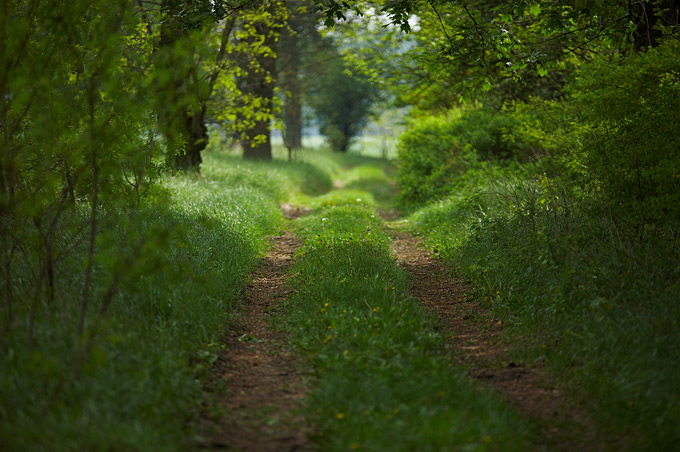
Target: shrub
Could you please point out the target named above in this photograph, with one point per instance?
(630, 112)
(492, 134)
(430, 156)
(436, 151)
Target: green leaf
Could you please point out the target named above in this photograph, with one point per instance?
(535, 10)
(542, 72)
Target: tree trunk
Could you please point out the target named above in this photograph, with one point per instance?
(293, 120)
(260, 83)
(291, 85)
(647, 16)
(183, 125)
(188, 157)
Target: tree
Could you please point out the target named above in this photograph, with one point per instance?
(77, 133)
(342, 101)
(299, 47)
(291, 89)
(467, 49)
(188, 64)
(258, 84)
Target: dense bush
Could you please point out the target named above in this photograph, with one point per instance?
(629, 114)
(436, 152)
(491, 133)
(430, 156)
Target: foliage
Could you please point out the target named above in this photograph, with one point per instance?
(382, 380)
(629, 114)
(495, 52)
(578, 252)
(430, 157)
(342, 101)
(77, 135)
(436, 152)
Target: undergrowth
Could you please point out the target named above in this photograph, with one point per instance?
(578, 250)
(591, 291)
(132, 381)
(600, 308)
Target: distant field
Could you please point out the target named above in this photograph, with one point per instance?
(368, 145)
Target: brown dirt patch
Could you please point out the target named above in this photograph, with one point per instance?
(292, 212)
(475, 339)
(263, 377)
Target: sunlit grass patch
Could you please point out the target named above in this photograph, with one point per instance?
(370, 179)
(341, 197)
(279, 179)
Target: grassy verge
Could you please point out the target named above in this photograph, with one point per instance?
(594, 302)
(133, 380)
(383, 382)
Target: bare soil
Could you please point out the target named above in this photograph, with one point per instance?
(475, 339)
(264, 380)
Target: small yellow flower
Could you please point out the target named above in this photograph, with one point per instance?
(330, 327)
(486, 298)
(355, 446)
(346, 352)
(392, 287)
(323, 310)
(344, 311)
(498, 292)
(325, 305)
(376, 309)
(499, 322)
(340, 416)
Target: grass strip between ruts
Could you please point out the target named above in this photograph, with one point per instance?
(383, 381)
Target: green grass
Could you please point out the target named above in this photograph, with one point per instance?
(181, 263)
(383, 381)
(595, 303)
(136, 386)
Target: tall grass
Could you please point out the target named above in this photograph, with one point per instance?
(599, 304)
(133, 380)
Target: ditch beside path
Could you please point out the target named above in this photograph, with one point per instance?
(474, 339)
(264, 380)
